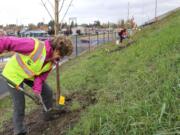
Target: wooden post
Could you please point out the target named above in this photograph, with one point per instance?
(58, 92)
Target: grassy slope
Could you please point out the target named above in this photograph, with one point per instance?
(138, 88)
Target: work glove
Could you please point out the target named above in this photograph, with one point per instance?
(39, 101)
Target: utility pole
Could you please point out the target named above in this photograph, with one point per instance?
(56, 13)
(155, 10)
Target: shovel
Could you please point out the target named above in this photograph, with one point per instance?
(34, 99)
(13, 85)
(60, 100)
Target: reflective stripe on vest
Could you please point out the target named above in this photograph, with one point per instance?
(38, 52)
(23, 66)
(34, 57)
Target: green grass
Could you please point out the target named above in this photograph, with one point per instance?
(75, 106)
(137, 89)
(5, 110)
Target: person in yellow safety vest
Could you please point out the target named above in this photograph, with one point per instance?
(31, 64)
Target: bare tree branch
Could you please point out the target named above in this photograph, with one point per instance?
(65, 13)
(47, 9)
(61, 7)
(51, 4)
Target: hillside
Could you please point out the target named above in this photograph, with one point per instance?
(130, 91)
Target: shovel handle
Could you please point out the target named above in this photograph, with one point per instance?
(12, 84)
(19, 88)
(27, 94)
(42, 102)
(58, 83)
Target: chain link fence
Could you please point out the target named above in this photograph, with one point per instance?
(88, 42)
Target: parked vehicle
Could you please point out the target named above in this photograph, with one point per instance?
(40, 34)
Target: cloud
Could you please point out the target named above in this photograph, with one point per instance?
(115, 10)
(86, 11)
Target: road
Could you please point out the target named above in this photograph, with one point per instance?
(2, 86)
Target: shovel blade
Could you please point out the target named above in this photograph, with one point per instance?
(61, 100)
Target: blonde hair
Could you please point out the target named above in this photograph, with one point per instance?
(62, 44)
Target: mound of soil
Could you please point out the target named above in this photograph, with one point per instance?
(64, 121)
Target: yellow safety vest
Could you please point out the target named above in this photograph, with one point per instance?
(21, 67)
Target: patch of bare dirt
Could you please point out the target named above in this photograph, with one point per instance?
(64, 121)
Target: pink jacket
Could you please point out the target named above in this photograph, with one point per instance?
(26, 46)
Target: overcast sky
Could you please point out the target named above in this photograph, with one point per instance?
(86, 11)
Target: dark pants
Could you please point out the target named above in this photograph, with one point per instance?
(19, 104)
(121, 39)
